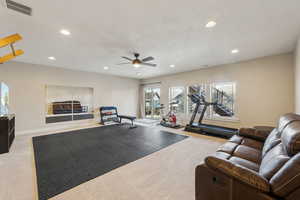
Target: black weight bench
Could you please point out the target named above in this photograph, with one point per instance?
(131, 118)
(110, 114)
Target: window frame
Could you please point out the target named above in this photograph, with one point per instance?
(184, 99)
(220, 118)
(206, 88)
(210, 113)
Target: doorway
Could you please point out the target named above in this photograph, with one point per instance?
(152, 102)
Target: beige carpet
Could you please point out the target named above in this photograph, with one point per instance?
(166, 174)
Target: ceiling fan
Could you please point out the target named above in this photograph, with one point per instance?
(136, 62)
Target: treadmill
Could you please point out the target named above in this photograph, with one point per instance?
(207, 129)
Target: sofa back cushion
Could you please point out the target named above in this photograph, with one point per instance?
(286, 120)
(280, 146)
(274, 137)
(273, 161)
(272, 140)
(290, 138)
(287, 179)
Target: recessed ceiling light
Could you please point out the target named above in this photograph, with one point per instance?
(105, 68)
(172, 66)
(211, 24)
(51, 58)
(65, 32)
(234, 51)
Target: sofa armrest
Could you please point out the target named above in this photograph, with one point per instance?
(254, 133)
(238, 172)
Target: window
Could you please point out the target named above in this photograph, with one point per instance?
(199, 90)
(176, 99)
(224, 95)
(152, 102)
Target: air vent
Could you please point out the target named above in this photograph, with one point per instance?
(18, 7)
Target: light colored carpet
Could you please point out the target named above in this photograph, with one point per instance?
(166, 174)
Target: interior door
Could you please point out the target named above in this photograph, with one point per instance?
(152, 102)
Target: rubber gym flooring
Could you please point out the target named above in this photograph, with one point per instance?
(65, 160)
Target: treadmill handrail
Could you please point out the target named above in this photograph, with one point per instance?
(200, 100)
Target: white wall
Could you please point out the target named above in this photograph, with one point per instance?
(297, 78)
(27, 91)
(264, 91)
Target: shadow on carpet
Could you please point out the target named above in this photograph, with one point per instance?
(65, 160)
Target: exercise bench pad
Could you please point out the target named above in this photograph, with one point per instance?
(127, 117)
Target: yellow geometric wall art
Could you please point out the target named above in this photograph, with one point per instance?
(9, 41)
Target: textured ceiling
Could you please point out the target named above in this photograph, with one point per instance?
(172, 31)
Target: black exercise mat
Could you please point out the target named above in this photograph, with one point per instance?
(65, 160)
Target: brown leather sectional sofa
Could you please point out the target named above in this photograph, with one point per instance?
(254, 165)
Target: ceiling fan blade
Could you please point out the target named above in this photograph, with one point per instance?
(149, 64)
(127, 63)
(127, 58)
(148, 59)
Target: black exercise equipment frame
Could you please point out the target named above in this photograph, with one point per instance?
(206, 129)
(113, 116)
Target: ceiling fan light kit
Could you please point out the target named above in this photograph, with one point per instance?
(136, 65)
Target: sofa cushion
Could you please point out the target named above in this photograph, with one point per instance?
(245, 163)
(290, 138)
(287, 179)
(252, 143)
(248, 153)
(286, 120)
(228, 147)
(241, 147)
(247, 142)
(236, 139)
(222, 155)
(272, 140)
(273, 161)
